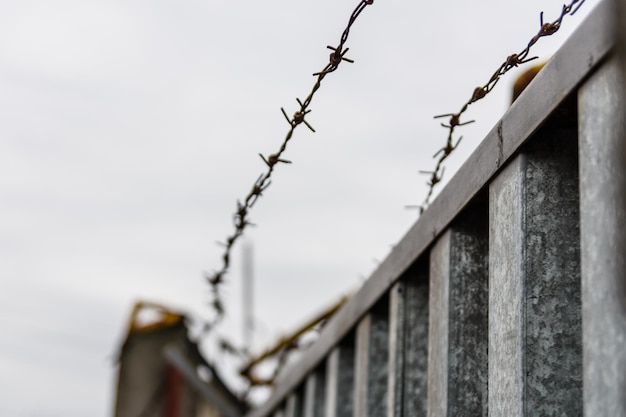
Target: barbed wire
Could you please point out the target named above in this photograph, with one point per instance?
(512, 61)
(241, 216)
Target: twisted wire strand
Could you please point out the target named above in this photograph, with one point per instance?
(241, 216)
(454, 121)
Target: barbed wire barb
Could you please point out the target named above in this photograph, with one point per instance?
(448, 149)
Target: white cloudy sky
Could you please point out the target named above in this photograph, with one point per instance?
(128, 129)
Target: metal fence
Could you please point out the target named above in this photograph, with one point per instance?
(508, 296)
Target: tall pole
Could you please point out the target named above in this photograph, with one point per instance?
(247, 297)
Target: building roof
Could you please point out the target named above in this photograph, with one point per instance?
(148, 324)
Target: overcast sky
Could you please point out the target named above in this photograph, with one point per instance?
(128, 130)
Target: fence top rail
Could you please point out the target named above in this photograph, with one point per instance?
(590, 44)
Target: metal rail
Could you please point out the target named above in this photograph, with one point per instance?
(508, 296)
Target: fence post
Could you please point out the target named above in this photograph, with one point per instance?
(408, 346)
(293, 408)
(603, 240)
(397, 330)
(438, 330)
(314, 393)
(457, 363)
(535, 338)
(371, 365)
(340, 380)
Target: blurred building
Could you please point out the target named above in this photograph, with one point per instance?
(162, 373)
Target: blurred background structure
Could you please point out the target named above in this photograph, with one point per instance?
(161, 371)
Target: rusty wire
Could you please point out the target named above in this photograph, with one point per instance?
(240, 218)
(512, 61)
